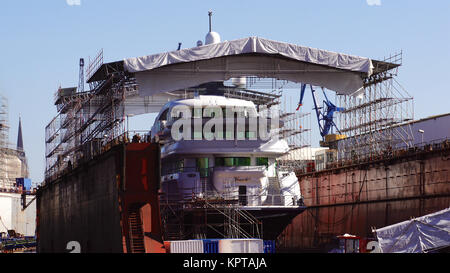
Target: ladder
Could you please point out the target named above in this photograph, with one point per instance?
(136, 232)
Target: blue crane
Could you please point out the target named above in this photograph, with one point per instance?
(325, 118)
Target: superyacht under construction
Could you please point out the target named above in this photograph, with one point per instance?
(117, 190)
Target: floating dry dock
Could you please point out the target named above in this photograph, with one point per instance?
(102, 191)
(107, 204)
(355, 197)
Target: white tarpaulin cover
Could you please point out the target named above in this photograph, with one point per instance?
(416, 235)
(335, 71)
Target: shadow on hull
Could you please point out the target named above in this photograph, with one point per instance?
(246, 222)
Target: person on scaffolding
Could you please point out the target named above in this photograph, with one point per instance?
(136, 138)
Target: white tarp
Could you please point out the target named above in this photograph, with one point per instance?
(416, 235)
(189, 67)
(290, 188)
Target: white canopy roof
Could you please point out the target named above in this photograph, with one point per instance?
(417, 235)
(251, 56)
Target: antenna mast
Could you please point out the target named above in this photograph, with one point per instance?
(210, 25)
(81, 80)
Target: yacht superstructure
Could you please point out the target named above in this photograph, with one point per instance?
(222, 151)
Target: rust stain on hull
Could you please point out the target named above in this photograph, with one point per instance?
(354, 199)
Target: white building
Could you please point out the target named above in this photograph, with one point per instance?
(13, 217)
(13, 165)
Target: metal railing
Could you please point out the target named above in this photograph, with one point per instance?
(230, 199)
(170, 171)
(397, 151)
(93, 148)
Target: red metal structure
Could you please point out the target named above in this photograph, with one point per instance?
(355, 198)
(138, 200)
(108, 203)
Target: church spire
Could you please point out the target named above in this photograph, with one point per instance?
(19, 137)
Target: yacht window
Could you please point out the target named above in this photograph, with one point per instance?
(179, 111)
(262, 161)
(179, 165)
(232, 161)
(224, 109)
(235, 112)
(171, 167)
(210, 135)
(228, 134)
(211, 111)
(197, 112)
(202, 166)
(243, 161)
(197, 134)
(208, 112)
(250, 135)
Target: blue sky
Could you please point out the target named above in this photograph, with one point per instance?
(42, 41)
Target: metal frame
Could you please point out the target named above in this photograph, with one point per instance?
(370, 120)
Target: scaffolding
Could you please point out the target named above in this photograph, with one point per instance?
(370, 120)
(13, 163)
(84, 117)
(369, 123)
(99, 115)
(207, 216)
(295, 124)
(4, 139)
(296, 131)
(91, 120)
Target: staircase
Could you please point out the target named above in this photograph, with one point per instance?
(136, 233)
(274, 192)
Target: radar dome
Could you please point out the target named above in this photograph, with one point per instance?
(212, 38)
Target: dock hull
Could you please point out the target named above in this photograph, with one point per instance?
(108, 204)
(357, 198)
(275, 220)
(194, 223)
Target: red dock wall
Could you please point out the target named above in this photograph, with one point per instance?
(92, 203)
(354, 199)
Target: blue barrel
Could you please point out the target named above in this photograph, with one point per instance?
(269, 246)
(210, 245)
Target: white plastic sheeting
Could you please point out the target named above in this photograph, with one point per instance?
(13, 217)
(417, 235)
(241, 246)
(290, 189)
(175, 70)
(186, 246)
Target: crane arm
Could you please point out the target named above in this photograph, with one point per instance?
(319, 113)
(302, 94)
(325, 118)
